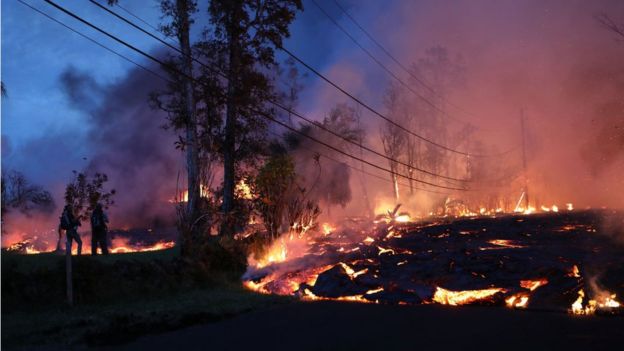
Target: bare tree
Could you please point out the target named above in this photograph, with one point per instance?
(18, 193)
(609, 24)
(393, 137)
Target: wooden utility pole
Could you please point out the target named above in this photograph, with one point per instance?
(524, 160)
(68, 273)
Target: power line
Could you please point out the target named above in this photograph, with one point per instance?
(351, 156)
(312, 70)
(386, 69)
(379, 114)
(139, 18)
(92, 40)
(261, 113)
(298, 115)
(422, 82)
(363, 171)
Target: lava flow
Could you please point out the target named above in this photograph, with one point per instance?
(515, 260)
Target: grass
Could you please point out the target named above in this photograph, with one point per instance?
(118, 298)
(122, 321)
(30, 263)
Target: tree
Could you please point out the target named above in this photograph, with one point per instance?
(243, 34)
(85, 191)
(609, 24)
(271, 188)
(288, 82)
(333, 187)
(181, 104)
(444, 73)
(18, 193)
(393, 138)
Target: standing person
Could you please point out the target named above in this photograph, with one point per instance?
(70, 224)
(99, 219)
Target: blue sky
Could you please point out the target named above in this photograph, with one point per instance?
(36, 50)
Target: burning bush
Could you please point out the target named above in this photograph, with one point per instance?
(280, 199)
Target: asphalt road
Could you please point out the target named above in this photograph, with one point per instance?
(353, 326)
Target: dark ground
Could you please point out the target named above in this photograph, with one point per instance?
(355, 326)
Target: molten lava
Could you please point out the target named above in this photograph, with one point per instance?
(454, 298)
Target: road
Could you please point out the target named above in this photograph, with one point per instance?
(352, 326)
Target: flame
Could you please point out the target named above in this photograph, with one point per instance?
(204, 191)
(577, 305)
(276, 253)
(308, 295)
(259, 287)
(383, 251)
(158, 246)
(374, 291)
(609, 302)
(454, 298)
(517, 301)
(368, 240)
(533, 284)
(350, 272)
(404, 218)
(328, 228)
(502, 243)
(243, 190)
(604, 302)
(569, 207)
(574, 272)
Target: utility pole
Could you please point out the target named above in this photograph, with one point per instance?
(524, 160)
(68, 273)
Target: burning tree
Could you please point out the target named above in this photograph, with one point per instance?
(243, 35)
(281, 200)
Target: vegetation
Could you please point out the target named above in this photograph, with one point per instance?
(84, 192)
(108, 290)
(19, 194)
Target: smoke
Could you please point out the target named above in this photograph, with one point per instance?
(81, 89)
(550, 58)
(130, 144)
(124, 139)
(611, 224)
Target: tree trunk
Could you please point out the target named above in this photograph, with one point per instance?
(395, 183)
(192, 156)
(229, 145)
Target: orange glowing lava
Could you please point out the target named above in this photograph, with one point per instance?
(454, 298)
